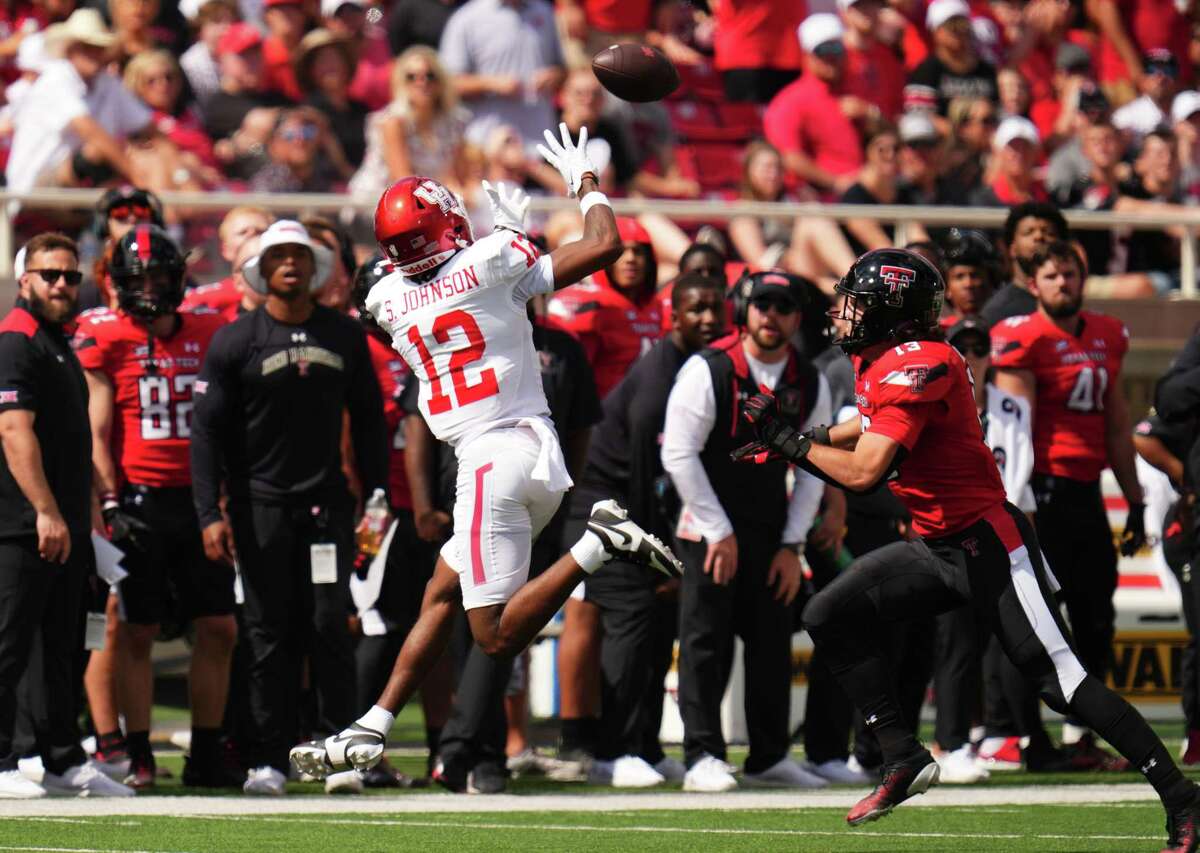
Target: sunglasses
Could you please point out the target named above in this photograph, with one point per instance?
(979, 349)
(126, 209)
(782, 307)
(427, 76)
(307, 133)
(986, 121)
(72, 277)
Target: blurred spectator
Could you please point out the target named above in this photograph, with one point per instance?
(199, 62)
(609, 146)
(878, 184)
(1155, 178)
(972, 268)
(1158, 87)
(418, 22)
(592, 25)
(133, 25)
(301, 155)
(81, 140)
(807, 245)
(325, 65)
(286, 21)
(954, 68)
(1010, 179)
(240, 55)
(1015, 97)
(973, 123)
(155, 77)
(239, 226)
(335, 292)
(806, 122)
(1130, 28)
(1051, 65)
(1097, 190)
(1185, 117)
(755, 47)
(1028, 227)
(921, 152)
(372, 63)
(872, 73)
(419, 132)
(1068, 164)
(507, 64)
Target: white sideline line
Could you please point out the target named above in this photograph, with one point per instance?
(593, 800)
(78, 850)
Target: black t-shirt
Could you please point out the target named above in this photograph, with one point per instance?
(979, 82)
(269, 410)
(348, 126)
(624, 160)
(1011, 300)
(418, 22)
(224, 113)
(1105, 250)
(858, 194)
(39, 373)
(1152, 250)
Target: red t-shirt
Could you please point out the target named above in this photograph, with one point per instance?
(613, 329)
(393, 373)
(618, 16)
(220, 296)
(758, 34)
(805, 116)
(1151, 25)
(919, 394)
(278, 73)
(876, 76)
(152, 406)
(372, 83)
(1073, 374)
(188, 134)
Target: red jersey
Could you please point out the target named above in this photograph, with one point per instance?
(219, 296)
(152, 402)
(758, 34)
(1151, 25)
(877, 76)
(1073, 374)
(806, 116)
(618, 16)
(613, 329)
(919, 394)
(393, 373)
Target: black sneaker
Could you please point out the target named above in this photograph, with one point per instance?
(487, 777)
(384, 775)
(1183, 828)
(141, 771)
(450, 776)
(212, 771)
(1047, 759)
(901, 780)
(626, 541)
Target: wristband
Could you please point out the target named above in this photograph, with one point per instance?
(592, 199)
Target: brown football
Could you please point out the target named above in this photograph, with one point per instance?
(635, 72)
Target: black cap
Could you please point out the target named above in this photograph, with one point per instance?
(774, 283)
(1072, 57)
(1162, 61)
(969, 325)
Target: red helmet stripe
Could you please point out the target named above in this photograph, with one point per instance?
(143, 243)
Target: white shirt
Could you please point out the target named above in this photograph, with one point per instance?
(467, 338)
(1010, 436)
(691, 413)
(43, 140)
(1140, 116)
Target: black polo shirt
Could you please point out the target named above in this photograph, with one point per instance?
(40, 373)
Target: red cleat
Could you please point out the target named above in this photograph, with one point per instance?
(901, 780)
(1191, 753)
(1086, 754)
(1183, 829)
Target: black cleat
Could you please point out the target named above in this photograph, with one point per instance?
(626, 541)
(901, 780)
(1183, 828)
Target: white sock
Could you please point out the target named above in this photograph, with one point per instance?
(379, 719)
(589, 552)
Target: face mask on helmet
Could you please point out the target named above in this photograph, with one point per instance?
(887, 295)
(366, 277)
(154, 293)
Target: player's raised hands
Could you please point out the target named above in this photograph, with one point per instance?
(509, 204)
(570, 158)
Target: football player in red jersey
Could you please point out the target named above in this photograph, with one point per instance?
(239, 225)
(918, 424)
(1067, 362)
(141, 362)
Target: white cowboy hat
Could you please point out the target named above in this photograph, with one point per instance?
(85, 26)
(285, 232)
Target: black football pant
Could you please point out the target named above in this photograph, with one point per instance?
(41, 604)
(993, 566)
(709, 617)
(287, 619)
(1179, 549)
(957, 677)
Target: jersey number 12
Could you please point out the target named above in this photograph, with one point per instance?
(464, 392)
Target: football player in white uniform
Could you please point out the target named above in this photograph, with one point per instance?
(455, 309)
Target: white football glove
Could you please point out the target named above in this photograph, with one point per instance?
(568, 157)
(509, 208)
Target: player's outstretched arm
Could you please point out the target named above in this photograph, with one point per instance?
(600, 245)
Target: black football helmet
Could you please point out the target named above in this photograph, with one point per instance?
(365, 277)
(890, 295)
(147, 270)
(970, 248)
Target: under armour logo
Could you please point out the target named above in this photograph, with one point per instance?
(299, 337)
(972, 546)
(191, 346)
(1151, 764)
(872, 720)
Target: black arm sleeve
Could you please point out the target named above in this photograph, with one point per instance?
(213, 396)
(368, 428)
(1177, 396)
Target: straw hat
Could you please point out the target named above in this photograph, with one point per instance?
(314, 41)
(85, 26)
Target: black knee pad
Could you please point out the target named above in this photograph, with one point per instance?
(816, 614)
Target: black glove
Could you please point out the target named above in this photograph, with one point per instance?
(775, 439)
(818, 435)
(123, 529)
(1134, 536)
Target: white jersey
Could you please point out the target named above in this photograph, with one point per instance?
(466, 335)
(1007, 429)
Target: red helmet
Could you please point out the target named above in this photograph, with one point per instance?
(420, 224)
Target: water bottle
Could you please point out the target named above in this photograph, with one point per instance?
(373, 528)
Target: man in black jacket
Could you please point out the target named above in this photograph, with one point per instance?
(268, 423)
(638, 614)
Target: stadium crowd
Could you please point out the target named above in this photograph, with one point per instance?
(245, 446)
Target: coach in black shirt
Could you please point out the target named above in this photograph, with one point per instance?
(268, 422)
(45, 518)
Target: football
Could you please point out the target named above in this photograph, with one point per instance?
(635, 72)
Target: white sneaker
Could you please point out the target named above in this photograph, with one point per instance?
(785, 773)
(838, 772)
(115, 770)
(14, 785)
(84, 780)
(628, 771)
(346, 782)
(32, 768)
(961, 767)
(527, 762)
(709, 775)
(182, 739)
(264, 781)
(626, 541)
(672, 769)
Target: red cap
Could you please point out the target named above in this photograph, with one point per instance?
(238, 38)
(269, 3)
(631, 231)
